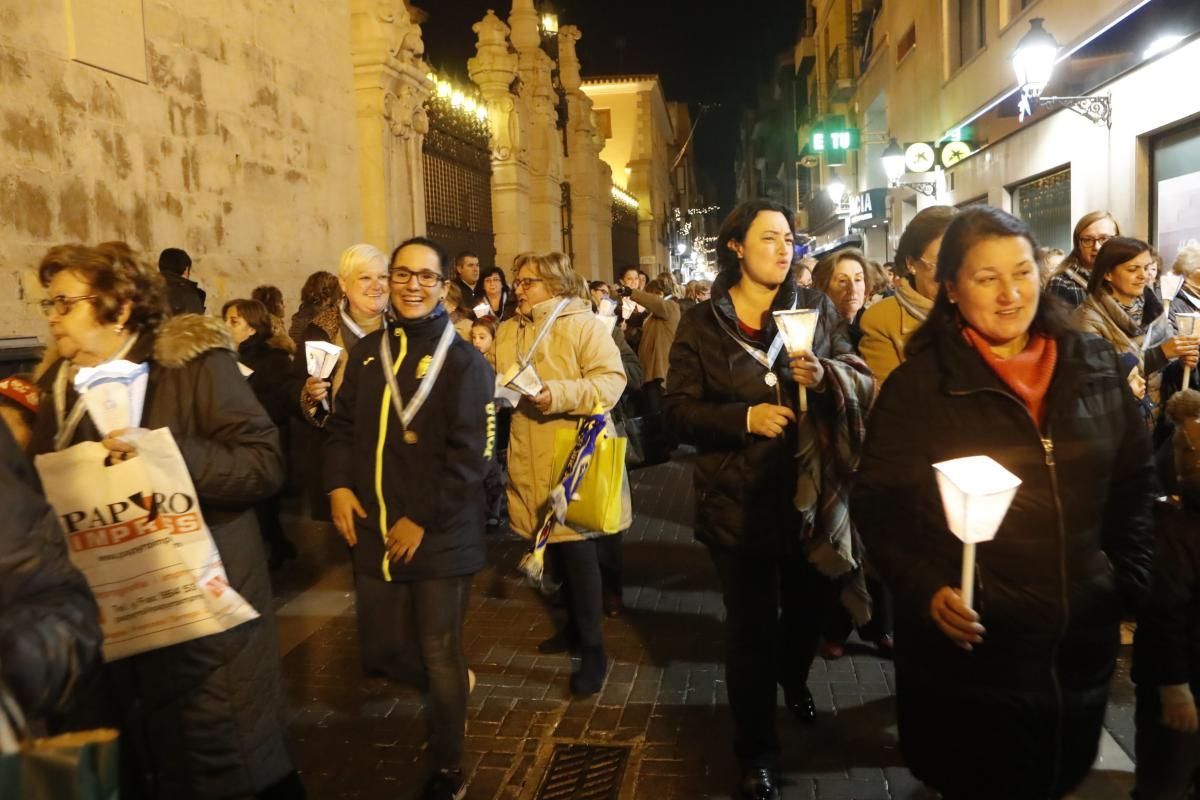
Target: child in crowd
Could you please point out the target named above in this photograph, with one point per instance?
(460, 317)
(483, 336)
(18, 408)
(1166, 654)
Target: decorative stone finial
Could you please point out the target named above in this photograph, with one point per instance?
(524, 23)
(568, 59)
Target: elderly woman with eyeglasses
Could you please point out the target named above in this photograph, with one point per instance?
(199, 719)
(579, 366)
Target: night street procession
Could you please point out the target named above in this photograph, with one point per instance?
(600, 400)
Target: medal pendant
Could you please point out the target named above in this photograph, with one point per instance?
(770, 379)
(410, 437)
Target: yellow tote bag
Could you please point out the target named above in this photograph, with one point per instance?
(597, 504)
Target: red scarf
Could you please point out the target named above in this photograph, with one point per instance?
(1028, 373)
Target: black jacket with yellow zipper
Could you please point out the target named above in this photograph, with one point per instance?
(437, 481)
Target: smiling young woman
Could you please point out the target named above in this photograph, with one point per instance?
(1121, 308)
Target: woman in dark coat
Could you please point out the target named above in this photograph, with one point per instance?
(267, 353)
(1006, 700)
(407, 495)
(49, 635)
(735, 396)
(199, 720)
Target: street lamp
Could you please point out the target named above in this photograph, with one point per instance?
(835, 188)
(894, 165)
(1033, 62)
(550, 24)
(893, 161)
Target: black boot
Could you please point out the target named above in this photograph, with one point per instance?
(564, 640)
(593, 667)
(799, 701)
(759, 784)
(445, 785)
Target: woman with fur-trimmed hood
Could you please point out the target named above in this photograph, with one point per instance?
(201, 719)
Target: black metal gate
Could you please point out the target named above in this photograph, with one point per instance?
(458, 181)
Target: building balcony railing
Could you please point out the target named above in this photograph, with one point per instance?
(839, 73)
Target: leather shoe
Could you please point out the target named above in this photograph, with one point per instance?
(759, 784)
(561, 642)
(800, 703)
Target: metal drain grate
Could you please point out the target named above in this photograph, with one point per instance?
(584, 772)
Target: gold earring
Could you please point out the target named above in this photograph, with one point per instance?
(119, 329)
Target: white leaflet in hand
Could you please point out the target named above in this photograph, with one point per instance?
(608, 307)
(798, 327)
(523, 379)
(610, 322)
(114, 394)
(246, 371)
(322, 358)
(505, 394)
(483, 310)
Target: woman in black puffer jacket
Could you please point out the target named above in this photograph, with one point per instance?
(1006, 701)
(733, 394)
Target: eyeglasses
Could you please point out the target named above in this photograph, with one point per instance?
(62, 305)
(1093, 241)
(426, 277)
(524, 283)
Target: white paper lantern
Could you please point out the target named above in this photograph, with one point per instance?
(976, 493)
(1185, 323)
(798, 327)
(1169, 285)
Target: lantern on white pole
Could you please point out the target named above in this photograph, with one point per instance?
(1185, 323)
(798, 327)
(976, 493)
(1169, 285)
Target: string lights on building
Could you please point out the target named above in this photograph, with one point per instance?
(462, 103)
(624, 198)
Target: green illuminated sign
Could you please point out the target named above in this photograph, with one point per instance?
(833, 135)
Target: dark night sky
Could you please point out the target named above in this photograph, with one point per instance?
(702, 51)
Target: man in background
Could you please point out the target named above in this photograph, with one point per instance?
(183, 294)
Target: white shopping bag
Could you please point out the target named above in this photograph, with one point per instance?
(134, 529)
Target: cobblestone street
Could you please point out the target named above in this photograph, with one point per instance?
(357, 737)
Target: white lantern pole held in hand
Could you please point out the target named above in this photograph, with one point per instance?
(798, 327)
(976, 493)
(1186, 323)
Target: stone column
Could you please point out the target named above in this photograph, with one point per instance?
(493, 69)
(390, 88)
(545, 155)
(583, 162)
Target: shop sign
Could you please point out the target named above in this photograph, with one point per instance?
(868, 206)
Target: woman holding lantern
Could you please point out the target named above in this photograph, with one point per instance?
(771, 428)
(1005, 698)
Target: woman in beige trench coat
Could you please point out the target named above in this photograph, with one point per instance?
(580, 366)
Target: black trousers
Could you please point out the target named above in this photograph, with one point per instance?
(578, 565)
(608, 551)
(774, 612)
(413, 632)
(1168, 762)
